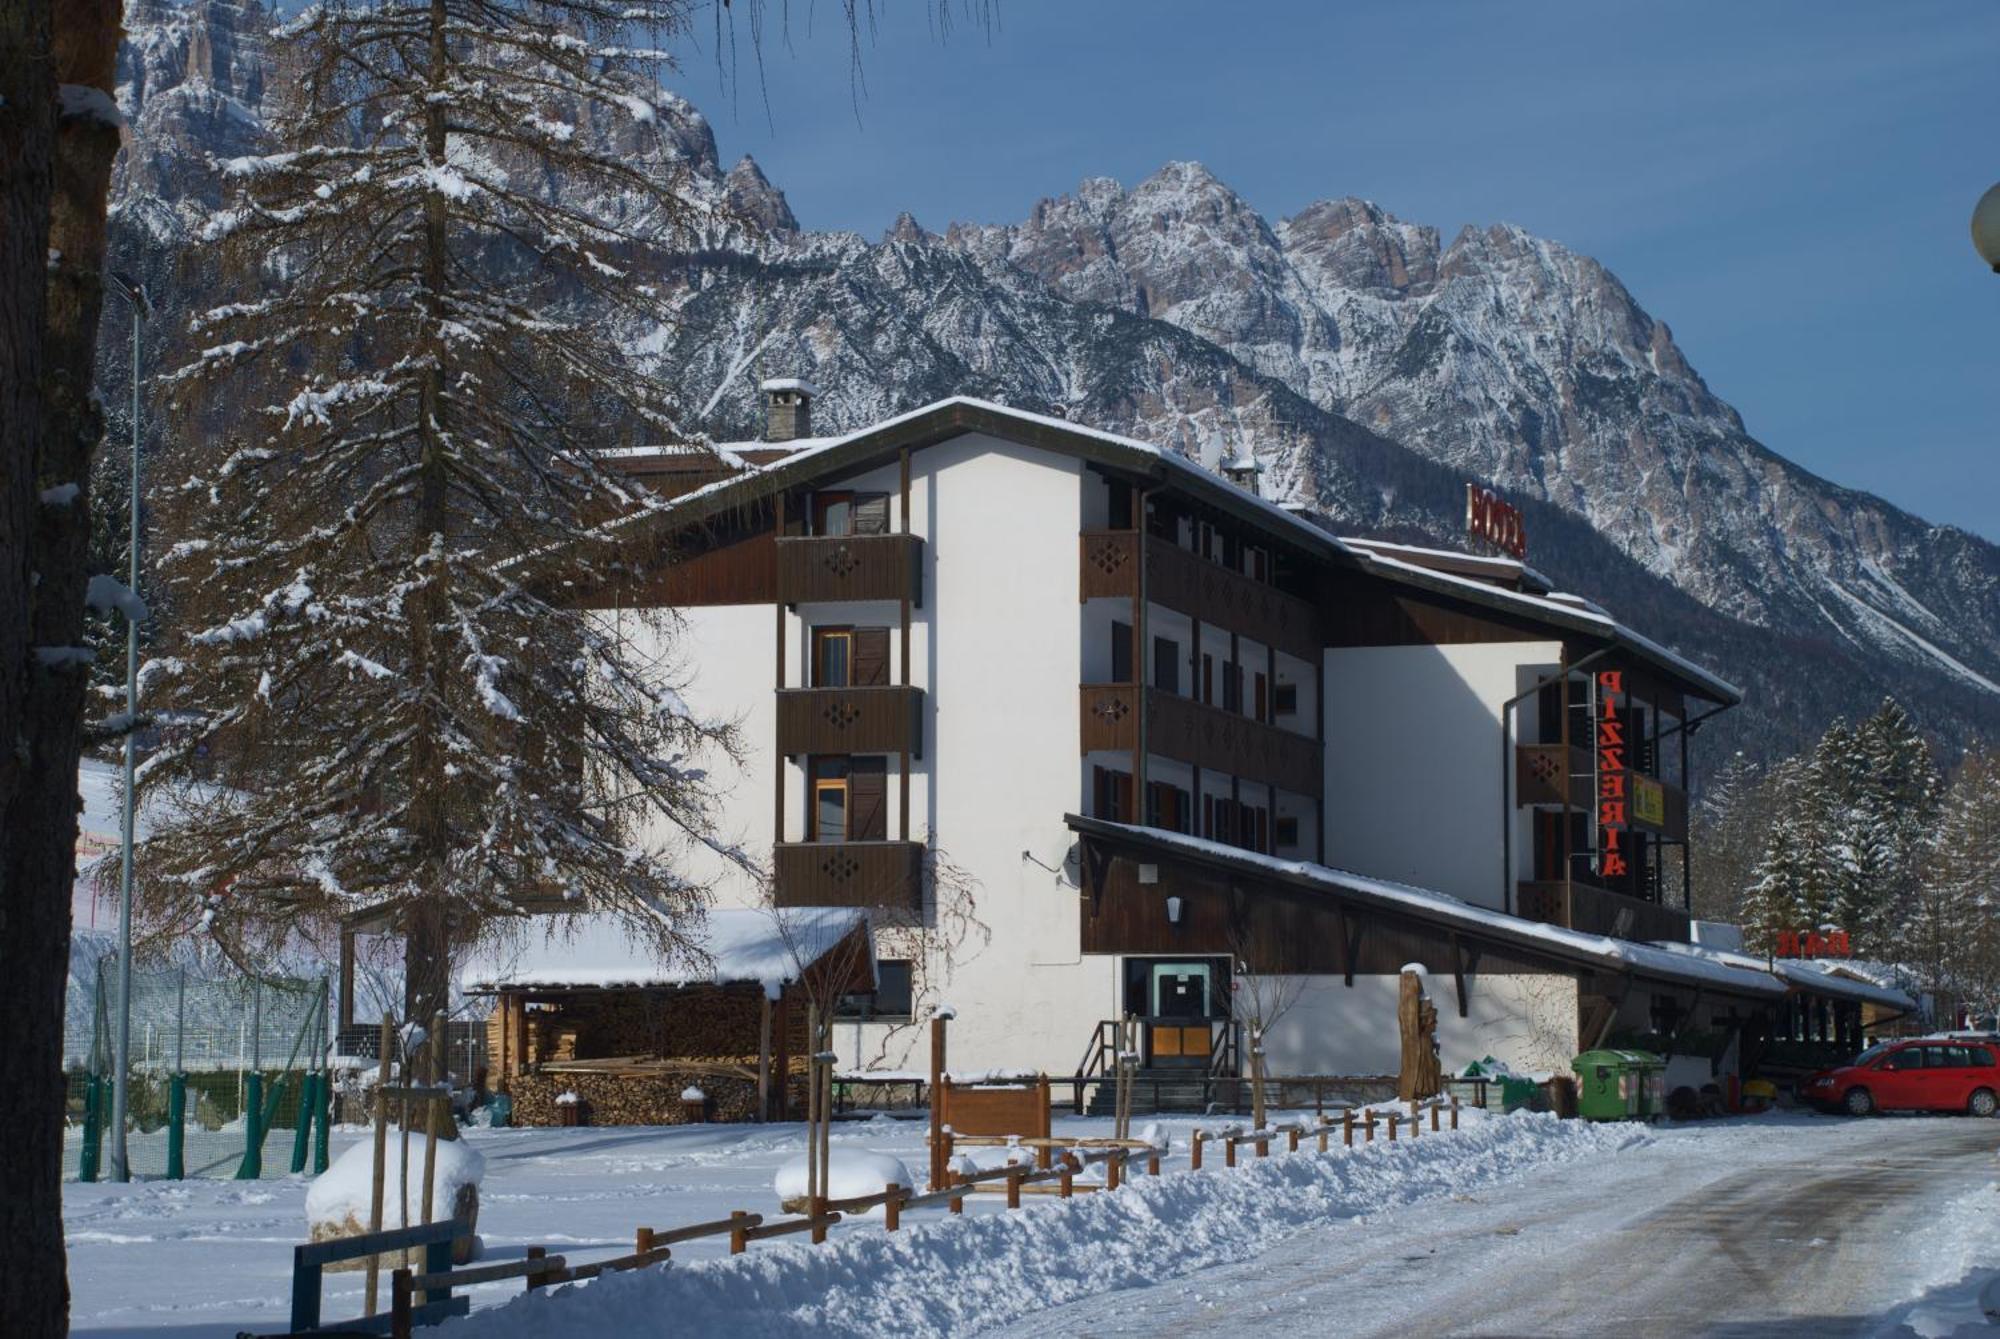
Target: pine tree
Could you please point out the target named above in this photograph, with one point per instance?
(1894, 808)
(1951, 935)
(390, 693)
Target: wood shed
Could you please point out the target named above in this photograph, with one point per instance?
(592, 1025)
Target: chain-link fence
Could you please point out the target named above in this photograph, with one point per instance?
(225, 1072)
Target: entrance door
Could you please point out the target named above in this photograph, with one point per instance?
(1180, 999)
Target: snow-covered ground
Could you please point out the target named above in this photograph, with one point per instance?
(1472, 1215)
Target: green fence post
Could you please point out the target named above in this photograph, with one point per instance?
(177, 1100)
(322, 1121)
(93, 1129)
(252, 1165)
(302, 1123)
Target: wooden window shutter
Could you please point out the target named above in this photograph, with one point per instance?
(871, 657)
(868, 801)
(871, 513)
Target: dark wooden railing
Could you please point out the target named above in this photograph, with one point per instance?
(850, 874)
(851, 567)
(1594, 910)
(885, 719)
(1108, 565)
(1209, 737)
(1539, 776)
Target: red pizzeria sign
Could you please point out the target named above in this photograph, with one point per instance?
(1613, 776)
(1496, 522)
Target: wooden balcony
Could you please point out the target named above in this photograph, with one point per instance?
(1539, 774)
(1208, 737)
(886, 719)
(1594, 910)
(851, 567)
(850, 874)
(1108, 565)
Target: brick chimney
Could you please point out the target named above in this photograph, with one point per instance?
(787, 408)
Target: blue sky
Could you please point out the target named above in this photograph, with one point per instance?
(1787, 185)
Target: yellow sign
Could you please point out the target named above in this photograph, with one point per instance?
(1649, 802)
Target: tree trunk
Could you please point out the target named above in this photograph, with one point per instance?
(40, 821)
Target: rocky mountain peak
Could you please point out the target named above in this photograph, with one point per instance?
(750, 196)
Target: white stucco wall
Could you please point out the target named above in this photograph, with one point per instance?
(1413, 763)
(1529, 1021)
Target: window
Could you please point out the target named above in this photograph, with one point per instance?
(1121, 653)
(1978, 1057)
(1167, 806)
(1259, 697)
(1208, 679)
(826, 821)
(1286, 699)
(842, 513)
(849, 800)
(1121, 504)
(1232, 686)
(1910, 1057)
(1111, 795)
(832, 657)
(1288, 830)
(891, 999)
(1259, 564)
(1167, 664)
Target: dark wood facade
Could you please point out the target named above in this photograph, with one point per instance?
(1211, 738)
(850, 567)
(1594, 910)
(1211, 594)
(883, 719)
(887, 875)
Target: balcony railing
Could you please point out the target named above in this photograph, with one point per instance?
(1208, 737)
(885, 719)
(850, 874)
(1594, 910)
(851, 567)
(1652, 805)
(1108, 565)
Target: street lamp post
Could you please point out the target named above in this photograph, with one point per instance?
(134, 294)
(1986, 228)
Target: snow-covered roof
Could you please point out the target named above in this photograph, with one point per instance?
(1814, 977)
(1617, 954)
(1570, 611)
(769, 947)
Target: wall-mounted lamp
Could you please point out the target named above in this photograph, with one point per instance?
(1173, 911)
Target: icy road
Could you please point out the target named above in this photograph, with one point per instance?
(1810, 1227)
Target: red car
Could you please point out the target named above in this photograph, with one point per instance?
(1928, 1074)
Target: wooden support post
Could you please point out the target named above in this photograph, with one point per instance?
(536, 1253)
(1368, 1121)
(1067, 1183)
(1416, 1119)
(386, 1042)
(1014, 1176)
(764, 1054)
(1454, 1111)
(1292, 1140)
(892, 1208)
(1194, 1150)
(816, 1207)
(642, 1241)
(938, 1154)
(399, 1304)
(1434, 1118)
(1263, 1148)
(958, 1201)
(1347, 1128)
(1113, 1165)
(1153, 1163)
(1395, 1119)
(738, 1225)
(1229, 1151)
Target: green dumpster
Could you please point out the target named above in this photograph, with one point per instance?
(1619, 1085)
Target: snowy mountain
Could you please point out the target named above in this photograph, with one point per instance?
(1372, 367)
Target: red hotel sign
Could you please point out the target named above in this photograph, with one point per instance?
(1613, 776)
(1814, 944)
(1496, 522)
